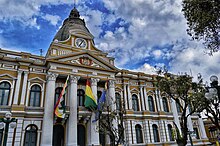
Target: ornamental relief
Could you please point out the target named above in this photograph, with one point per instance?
(85, 61)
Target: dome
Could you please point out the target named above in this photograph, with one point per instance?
(73, 22)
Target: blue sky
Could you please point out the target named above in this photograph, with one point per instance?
(139, 34)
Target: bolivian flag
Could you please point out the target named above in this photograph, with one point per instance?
(90, 101)
(59, 109)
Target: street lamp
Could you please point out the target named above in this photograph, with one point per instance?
(214, 90)
(4, 123)
(213, 96)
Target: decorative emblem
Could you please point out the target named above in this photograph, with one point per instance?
(85, 61)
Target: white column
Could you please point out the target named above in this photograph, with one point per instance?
(147, 132)
(42, 95)
(175, 114)
(129, 97)
(160, 100)
(27, 94)
(202, 128)
(146, 99)
(111, 93)
(162, 131)
(47, 128)
(94, 134)
(142, 98)
(12, 91)
(157, 101)
(72, 121)
(125, 97)
(24, 88)
(17, 87)
(151, 131)
(189, 121)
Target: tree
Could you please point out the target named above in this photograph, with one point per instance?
(203, 20)
(180, 88)
(111, 122)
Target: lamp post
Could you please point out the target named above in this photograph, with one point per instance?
(214, 90)
(213, 96)
(4, 123)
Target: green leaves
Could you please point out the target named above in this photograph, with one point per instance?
(203, 20)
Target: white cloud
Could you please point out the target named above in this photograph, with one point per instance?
(146, 68)
(194, 61)
(53, 19)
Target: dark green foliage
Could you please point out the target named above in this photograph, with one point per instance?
(181, 89)
(203, 19)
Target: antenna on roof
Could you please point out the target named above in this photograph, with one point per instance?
(74, 3)
(41, 52)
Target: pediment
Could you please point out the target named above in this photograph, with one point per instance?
(7, 76)
(85, 59)
(37, 80)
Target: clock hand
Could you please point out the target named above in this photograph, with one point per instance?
(80, 43)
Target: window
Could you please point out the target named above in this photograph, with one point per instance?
(4, 93)
(165, 104)
(35, 95)
(196, 132)
(170, 132)
(139, 136)
(30, 136)
(178, 106)
(156, 133)
(1, 135)
(118, 101)
(81, 97)
(151, 103)
(135, 103)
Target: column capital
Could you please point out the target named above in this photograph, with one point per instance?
(26, 72)
(74, 79)
(94, 81)
(111, 83)
(51, 76)
(20, 71)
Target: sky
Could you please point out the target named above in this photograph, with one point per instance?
(139, 34)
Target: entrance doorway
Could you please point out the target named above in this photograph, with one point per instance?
(58, 135)
(81, 135)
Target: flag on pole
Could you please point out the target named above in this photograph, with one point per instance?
(101, 102)
(59, 109)
(90, 101)
(102, 99)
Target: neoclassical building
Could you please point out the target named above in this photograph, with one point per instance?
(30, 86)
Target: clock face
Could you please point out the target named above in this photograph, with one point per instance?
(81, 43)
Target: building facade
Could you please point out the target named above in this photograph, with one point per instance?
(30, 86)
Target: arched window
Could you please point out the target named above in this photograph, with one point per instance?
(139, 136)
(118, 101)
(4, 93)
(35, 95)
(156, 133)
(178, 106)
(135, 102)
(170, 132)
(165, 104)
(30, 136)
(1, 135)
(151, 103)
(81, 97)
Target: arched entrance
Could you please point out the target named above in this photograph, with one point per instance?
(81, 135)
(58, 135)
